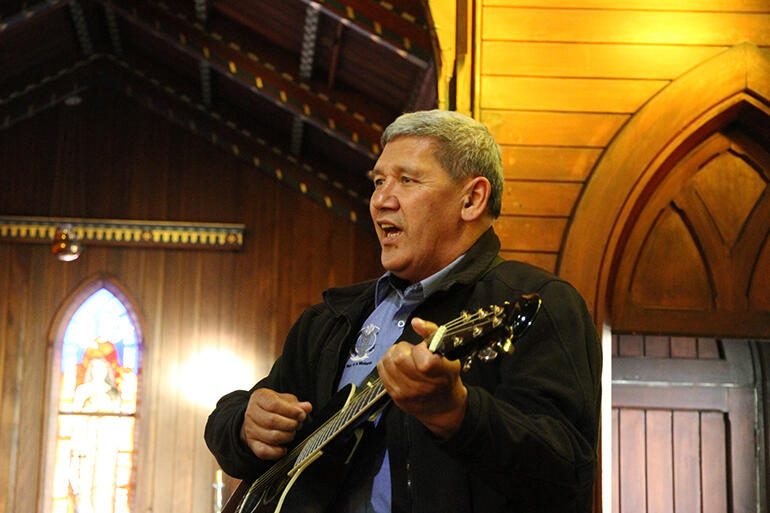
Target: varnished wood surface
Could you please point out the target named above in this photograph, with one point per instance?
(559, 80)
(683, 441)
(107, 158)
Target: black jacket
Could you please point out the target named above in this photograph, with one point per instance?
(528, 440)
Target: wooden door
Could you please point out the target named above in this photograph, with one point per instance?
(686, 419)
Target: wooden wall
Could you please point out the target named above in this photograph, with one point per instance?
(559, 78)
(110, 158)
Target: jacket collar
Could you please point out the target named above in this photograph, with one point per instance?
(354, 300)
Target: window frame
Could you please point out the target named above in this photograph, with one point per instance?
(56, 333)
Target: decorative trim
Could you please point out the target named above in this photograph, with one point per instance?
(125, 232)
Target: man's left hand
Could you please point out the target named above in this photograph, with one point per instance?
(424, 384)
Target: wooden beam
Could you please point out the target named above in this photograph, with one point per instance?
(112, 72)
(261, 77)
(396, 26)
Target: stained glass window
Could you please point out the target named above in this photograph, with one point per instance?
(97, 406)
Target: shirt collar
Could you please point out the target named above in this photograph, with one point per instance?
(389, 283)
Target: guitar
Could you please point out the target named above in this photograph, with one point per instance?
(482, 334)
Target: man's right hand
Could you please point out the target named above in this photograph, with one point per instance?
(271, 421)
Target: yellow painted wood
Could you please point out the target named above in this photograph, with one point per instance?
(539, 198)
(592, 60)
(552, 128)
(527, 233)
(625, 26)
(658, 131)
(548, 163)
(443, 15)
(656, 5)
(568, 94)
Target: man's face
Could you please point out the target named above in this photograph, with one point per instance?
(416, 209)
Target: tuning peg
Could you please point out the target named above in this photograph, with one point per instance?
(486, 354)
(467, 362)
(506, 345)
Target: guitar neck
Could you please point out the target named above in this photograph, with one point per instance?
(361, 403)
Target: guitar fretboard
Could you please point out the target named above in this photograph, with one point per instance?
(360, 404)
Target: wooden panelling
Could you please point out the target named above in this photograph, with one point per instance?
(632, 464)
(526, 233)
(548, 163)
(760, 281)
(658, 443)
(539, 198)
(715, 219)
(685, 443)
(625, 26)
(662, 346)
(109, 158)
(618, 96)
(686, 447)
(658, 5)
(527, 128)
(714, 472)
(592, 60)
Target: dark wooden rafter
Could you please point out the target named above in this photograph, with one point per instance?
(81, 28)
(49, 91)
(99, 70)
(423, 94)
(202, 11)
(385, 23)
(205, 77)
(261, 77)
(306, 58)
(112, 28)
(202, 15)
(335, 57)
(29, 13)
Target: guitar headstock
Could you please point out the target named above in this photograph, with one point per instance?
(487, 331)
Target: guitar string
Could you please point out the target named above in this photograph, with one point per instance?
(455, 326)
(361, 401)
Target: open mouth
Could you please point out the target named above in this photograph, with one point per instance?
(390, 231)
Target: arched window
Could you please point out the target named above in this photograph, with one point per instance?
(97, 376)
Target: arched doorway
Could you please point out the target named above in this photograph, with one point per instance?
(670, 243)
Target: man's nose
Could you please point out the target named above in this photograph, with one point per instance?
(385, 196)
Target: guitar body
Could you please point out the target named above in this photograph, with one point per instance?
(308, 477)
(309, 487)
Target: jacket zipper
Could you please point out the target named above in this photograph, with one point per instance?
(409, 475)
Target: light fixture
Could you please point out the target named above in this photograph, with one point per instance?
(65, 244)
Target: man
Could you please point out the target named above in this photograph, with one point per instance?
(514, 434)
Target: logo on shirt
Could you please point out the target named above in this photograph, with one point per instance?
(367, 338)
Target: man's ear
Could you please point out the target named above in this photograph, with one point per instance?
(475, 197)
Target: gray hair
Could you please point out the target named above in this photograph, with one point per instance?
(465, 148)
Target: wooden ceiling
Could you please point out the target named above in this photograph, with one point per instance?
(301, 89)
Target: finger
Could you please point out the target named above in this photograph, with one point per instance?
(426, 361)
(286, 405)
(400, 362)
(423, 328)
(274, 437)
(306, 407)
(269, 420)
(265, 451)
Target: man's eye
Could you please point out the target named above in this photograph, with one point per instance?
(405, 179)
(377, 182)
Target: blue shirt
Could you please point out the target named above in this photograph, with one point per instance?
(393, 304)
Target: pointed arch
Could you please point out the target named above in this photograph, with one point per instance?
(731, 85)
(113, 415)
